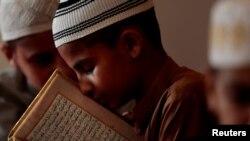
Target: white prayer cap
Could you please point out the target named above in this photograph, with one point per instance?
(75, 19)
(21, 18)
(230, 34)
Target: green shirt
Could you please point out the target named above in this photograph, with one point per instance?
(15, 97)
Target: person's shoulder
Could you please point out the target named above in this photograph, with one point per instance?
(10, 76)
(7, 74)
(7, 81)
(182, 106)
(13, 88)
(12, 79)
(188, 84)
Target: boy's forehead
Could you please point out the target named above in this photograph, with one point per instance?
(73, 49)
(74, 20)
(76, 45)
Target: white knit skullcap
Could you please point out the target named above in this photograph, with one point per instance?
(21, 18)
(75, 19)
(230, 34)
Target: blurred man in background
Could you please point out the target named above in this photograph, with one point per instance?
(29, 48)
(229, 59)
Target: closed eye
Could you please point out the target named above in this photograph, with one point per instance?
(84, 66)
(42, 59)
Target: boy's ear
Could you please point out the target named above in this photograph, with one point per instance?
(132, 39)
(8, 52)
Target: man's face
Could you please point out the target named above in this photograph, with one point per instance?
(233, 93)
(37, 57)
(108, 75)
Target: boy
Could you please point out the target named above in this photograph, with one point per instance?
(29, 48)
(115, 49)
(229, 60)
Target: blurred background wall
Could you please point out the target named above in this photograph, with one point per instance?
(184, 26)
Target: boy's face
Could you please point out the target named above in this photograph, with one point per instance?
(108, 75)
(232, 90)
(37, 57)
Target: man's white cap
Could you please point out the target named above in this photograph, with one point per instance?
(75, 19)
(19, 18)
(229, 45)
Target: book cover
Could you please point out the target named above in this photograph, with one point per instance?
(61, 112)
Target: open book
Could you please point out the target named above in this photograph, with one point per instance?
(61, 112)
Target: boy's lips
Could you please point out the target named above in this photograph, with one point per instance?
(100, 100)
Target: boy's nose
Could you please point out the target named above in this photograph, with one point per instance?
(86, 87)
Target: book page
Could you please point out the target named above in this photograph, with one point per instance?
(65, 121)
